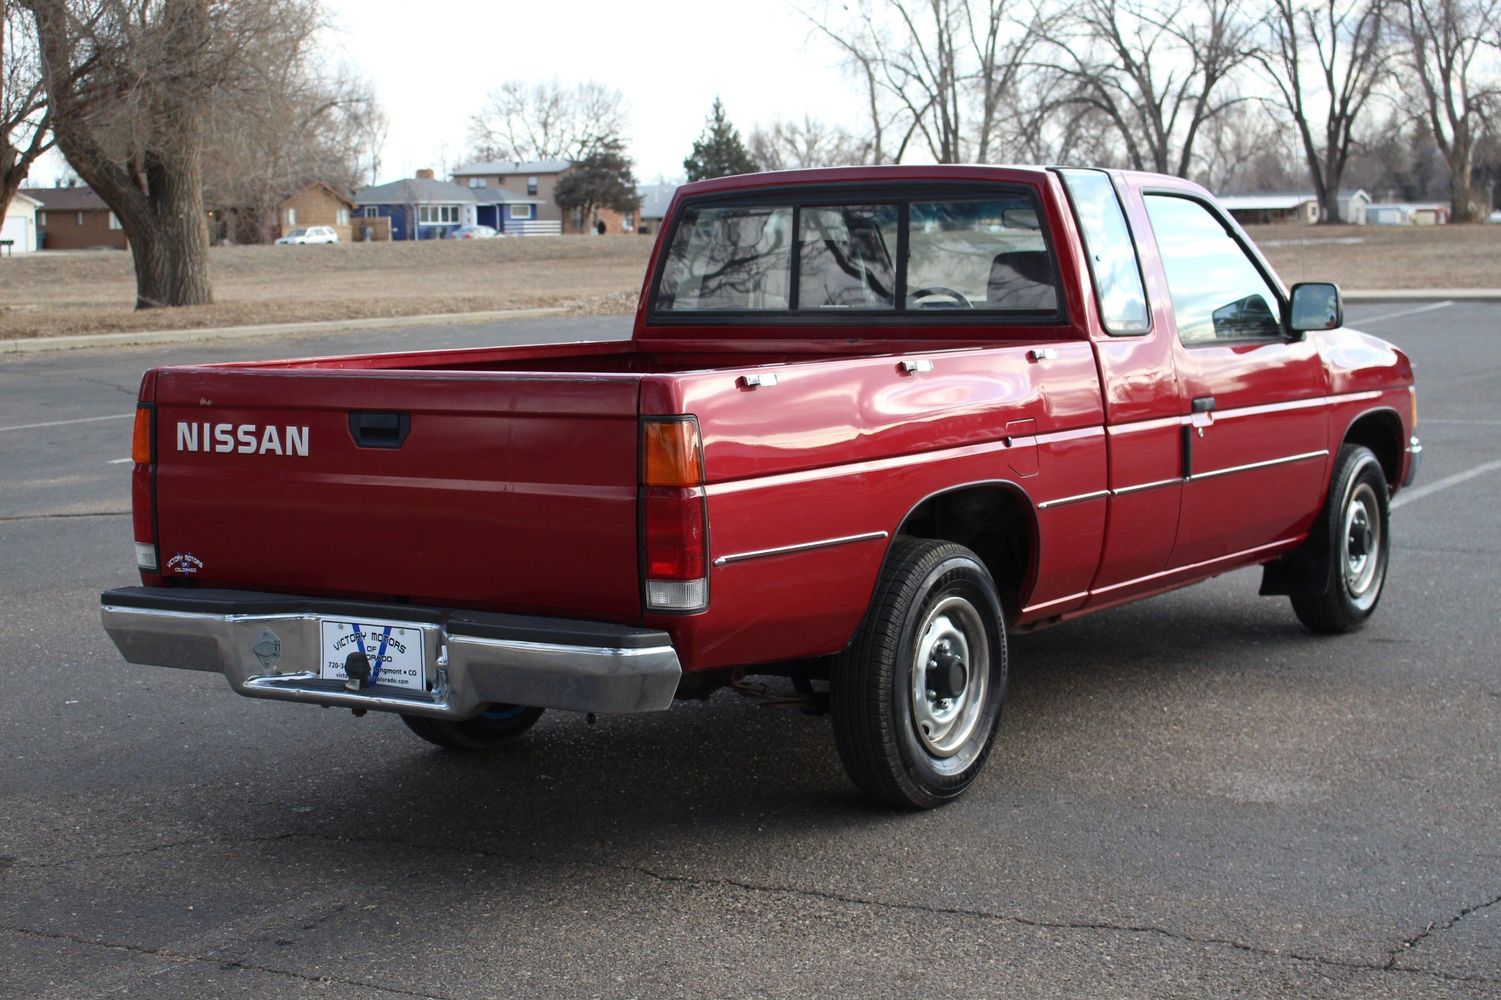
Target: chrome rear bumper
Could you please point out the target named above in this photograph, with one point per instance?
(268, 646)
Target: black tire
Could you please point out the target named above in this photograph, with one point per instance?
(935, 605)
(1353, 529)
(497, 726)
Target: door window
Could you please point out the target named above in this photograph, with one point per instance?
(1218, 292)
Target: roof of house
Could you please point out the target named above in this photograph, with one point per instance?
(314, 183)
(654, 199)
(1279, 200)
(1411, 206)
(414, 191)
(66, 199)
(23, 196)
(1264, 202)
(500, 196)
(510, 168)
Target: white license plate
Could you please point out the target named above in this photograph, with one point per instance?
(394, 652)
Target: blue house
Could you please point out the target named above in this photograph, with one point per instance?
(420, 208)
(508, 212)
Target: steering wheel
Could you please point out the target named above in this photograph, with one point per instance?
(957, 296)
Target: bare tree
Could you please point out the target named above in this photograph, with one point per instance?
(287, 124)
(1156, 69)
(24, 130)
(546, 121)
(1325, 59)
(1447, 43)
(937, 71)
(787, 145)
(130, 84)
(1244, 149)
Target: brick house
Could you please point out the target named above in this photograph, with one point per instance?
(533, 180)
(75, 218)
(315, 204)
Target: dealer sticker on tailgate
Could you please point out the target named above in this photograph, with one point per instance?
(394, 652)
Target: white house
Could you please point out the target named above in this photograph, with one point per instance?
(1271, 207)
(18, 228)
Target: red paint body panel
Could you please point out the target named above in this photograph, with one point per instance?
(517, 488)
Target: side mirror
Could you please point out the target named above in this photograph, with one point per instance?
(1315, 305)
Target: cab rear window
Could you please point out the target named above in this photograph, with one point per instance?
(958, 256)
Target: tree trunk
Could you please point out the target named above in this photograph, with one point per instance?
(171, 255)
(1461, 196)
(1329, 206)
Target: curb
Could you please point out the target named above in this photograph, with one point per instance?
(32, 345)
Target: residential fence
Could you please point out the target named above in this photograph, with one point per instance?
(534, 227)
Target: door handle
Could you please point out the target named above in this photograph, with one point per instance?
(1203, 404)
(379, 430)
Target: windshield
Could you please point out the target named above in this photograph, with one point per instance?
(983, 252)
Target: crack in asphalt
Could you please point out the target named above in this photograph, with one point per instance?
(184, 958)
(1389, 966)
(1437, 928)
(49, 517)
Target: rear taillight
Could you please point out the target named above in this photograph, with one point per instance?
(142, 502)
(674, 516)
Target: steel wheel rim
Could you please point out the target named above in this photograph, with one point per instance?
(952, 630)
(1361, 545)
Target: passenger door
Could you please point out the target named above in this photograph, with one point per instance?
(1255, 439)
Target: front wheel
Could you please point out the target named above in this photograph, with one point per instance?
(1354, 529)
(917, 695)
(491, 729)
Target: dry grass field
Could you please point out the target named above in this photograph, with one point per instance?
(1385, 257)
(92, 292)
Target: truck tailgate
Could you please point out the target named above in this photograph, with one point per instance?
(498, 491)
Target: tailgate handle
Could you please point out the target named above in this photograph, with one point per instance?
(379, 430)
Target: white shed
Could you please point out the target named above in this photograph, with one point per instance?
(18, 228)
(1352, 207)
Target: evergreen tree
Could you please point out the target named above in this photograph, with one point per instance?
(602, 179)
(718, 152)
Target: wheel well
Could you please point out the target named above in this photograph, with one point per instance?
(993, 520)
(1380, 431)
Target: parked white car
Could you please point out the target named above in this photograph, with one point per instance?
(309, 234)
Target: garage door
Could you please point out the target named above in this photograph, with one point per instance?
(18, 228)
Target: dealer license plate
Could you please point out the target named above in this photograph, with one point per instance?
(394, 652)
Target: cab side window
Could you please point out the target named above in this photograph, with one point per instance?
(1218, 293)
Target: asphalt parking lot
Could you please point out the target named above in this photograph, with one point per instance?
(1192, 797)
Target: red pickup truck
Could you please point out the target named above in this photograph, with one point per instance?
(869, 421)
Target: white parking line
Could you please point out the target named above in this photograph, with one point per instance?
(1408, 496)
(119, 461)
(1361, 320)
(61, 423)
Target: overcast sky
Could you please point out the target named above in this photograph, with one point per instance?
(432, 62)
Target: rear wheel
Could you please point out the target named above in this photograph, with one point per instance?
(1354, 528)
(495, 727)
(917, 696)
